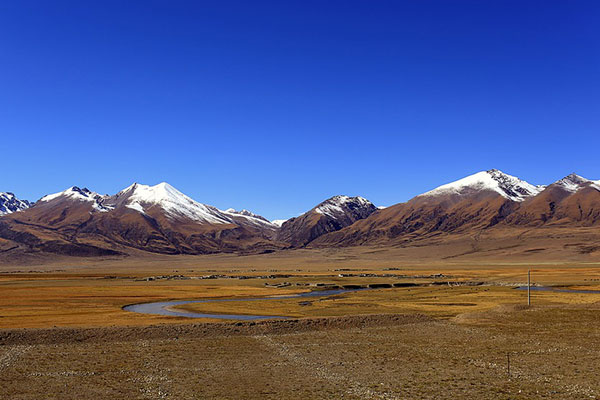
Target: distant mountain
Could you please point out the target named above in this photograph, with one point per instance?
(505, 185)
(329, 216)
(571, 201)
(246, 213)
(9, 203)
(487, 207)
(573, 183)
(153, 218)
(250, 219)
(472, 203)
(488, 201)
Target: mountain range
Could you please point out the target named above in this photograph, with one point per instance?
(488, 205)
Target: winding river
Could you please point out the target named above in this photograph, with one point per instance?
(166, 307)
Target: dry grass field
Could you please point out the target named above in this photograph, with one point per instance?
(63, 333)
(553, 353)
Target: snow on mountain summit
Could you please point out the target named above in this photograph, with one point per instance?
(249, 218)
(172, 201)
(507, 186)
(245, 213)
(338, 205)
(328, 216)
(10, 204)
(573, 182)
(76, 193)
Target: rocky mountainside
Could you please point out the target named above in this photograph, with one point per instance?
(486, 202)
(152, 218)
(329, 216)
(251, 220)
(9, 203)
(507, 186)
(487, 206)
(572, 201)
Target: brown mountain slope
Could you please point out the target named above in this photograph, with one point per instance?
(423, 217)
(479, 212)
(558, 206)
(156, 219)
(476, 211)
(331, 215)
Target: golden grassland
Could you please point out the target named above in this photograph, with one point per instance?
(459, 351)
(88, 292)
(436, 301)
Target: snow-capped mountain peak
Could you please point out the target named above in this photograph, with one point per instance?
(245, 213)
(178, 206)
(73, 192)
(328, 216)
(175, 204)
(338, 205)
(10, 204)
(507, 186)
(573, 182)
(80, 194)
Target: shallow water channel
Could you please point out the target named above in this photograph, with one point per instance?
(165, 307)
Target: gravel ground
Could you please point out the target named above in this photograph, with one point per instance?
(377, 357)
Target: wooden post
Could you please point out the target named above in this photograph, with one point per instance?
(508, 364)
(529, 287)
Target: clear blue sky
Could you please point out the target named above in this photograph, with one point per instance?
(275, 106)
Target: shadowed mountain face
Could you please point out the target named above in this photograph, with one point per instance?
(10, 204)
(422, 217)
(151, 218)
(489, 202)
(329, 216)
(489, 205)
(571, 201)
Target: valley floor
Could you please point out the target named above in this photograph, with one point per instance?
(63, 333)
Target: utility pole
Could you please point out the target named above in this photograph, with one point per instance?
(529, 287)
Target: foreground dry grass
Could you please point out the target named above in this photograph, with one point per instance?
(554, 354)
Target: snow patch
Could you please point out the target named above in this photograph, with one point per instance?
(9, 203)
(573, 182)
(335, 206)
(278, 222)
(75, 193)
(137, 207)
(249, 217)
(507, 186)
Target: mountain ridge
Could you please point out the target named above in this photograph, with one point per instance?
(9, 203)
(330, 215)
(473, 205)
(161, 219)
